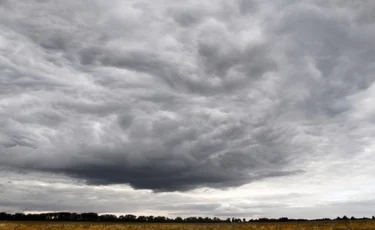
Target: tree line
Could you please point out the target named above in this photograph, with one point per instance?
(94, 217)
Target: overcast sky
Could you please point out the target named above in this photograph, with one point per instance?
(243, 108)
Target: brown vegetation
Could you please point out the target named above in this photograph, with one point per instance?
(331, 225)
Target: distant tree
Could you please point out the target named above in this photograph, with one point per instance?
(130, 218)
(207, 220)
(263, 219)
(216, 220)
(178, 219)
(89, 216)
(141, 219)
(5, 216)
(345, 218)
(107, 217)
(323, 219)
(150, 218)
(19, 216)
(160, 219)
(283, 219)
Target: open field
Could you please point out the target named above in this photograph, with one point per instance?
(333, 225)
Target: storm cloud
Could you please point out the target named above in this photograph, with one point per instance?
(180, 95)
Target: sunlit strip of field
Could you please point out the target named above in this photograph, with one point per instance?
(332, 225)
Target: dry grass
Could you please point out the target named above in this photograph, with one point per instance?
(334, 225)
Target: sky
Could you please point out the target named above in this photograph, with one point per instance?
(241, 108)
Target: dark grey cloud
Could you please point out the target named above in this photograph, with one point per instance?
(183, 95)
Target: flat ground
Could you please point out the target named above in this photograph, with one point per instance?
(333, 225)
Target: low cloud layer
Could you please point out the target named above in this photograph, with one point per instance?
(179, 95)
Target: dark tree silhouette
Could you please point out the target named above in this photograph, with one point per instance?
(94, 217)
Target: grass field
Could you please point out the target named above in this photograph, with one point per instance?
(333, 225)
